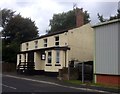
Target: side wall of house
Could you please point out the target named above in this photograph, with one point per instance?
(81, 42)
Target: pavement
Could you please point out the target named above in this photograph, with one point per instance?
(12, 82)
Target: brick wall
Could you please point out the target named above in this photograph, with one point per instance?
(63, 74)
(79, 17)
(112, 80)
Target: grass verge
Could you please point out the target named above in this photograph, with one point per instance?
(78, 82)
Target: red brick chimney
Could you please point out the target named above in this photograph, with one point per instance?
(79, 17)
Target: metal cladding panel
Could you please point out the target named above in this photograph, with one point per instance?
(119, 48)
(107, 49)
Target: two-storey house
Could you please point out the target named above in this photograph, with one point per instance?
(53, 51)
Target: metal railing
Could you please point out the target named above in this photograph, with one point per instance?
(25, 67)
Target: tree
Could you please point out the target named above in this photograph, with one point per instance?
(65, 20)
(16, 29)
(20, 29)
(100, 17)
(117, 16)
(7, 14)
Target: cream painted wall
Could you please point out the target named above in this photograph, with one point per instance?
(39, 64)
(81, 43)
(50, 42)
(17, 59)
(22, 58)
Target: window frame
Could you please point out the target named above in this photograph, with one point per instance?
(57, 56)
(27, 46)
(45, 42)
(49, 58)
(57, 39)
(36, 44)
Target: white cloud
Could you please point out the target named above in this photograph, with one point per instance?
(41, 11)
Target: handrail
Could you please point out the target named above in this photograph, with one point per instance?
(26, 65)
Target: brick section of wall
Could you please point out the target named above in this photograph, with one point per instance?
(63, 74)
(79, 17)
(112, 80)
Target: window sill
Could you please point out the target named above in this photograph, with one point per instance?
(57, 64)
(48, 65)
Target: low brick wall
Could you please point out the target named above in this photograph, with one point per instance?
(112, 80)
(73, 74)
(8, 67)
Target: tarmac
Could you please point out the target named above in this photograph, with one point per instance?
(61, 82)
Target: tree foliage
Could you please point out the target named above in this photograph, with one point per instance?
(7, 14)
(20, 29)
(102, 19)
(16, 29)
(65, 20)
(117, 16)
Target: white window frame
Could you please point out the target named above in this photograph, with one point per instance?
(36, 44)
(27, 46)
(57, 57)
(57, 41)
(49, 57)
(45, 42)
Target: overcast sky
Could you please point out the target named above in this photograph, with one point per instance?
(41, 11)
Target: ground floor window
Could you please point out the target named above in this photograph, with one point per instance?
(57, 56)
(49, 57)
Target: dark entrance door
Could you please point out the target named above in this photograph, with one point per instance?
(30, 56)
(30, 63)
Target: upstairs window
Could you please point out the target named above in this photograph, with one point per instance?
(27, 45)
(45, 42)
(57, 41)
(36, 44)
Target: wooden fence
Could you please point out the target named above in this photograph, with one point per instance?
(8, 67)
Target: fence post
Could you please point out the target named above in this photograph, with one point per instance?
(69, 70)
(83, 72)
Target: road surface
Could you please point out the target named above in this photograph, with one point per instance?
(20, 84)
